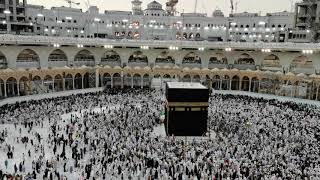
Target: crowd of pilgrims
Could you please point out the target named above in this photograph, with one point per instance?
(70, 138)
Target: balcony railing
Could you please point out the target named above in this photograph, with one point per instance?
(45, 40)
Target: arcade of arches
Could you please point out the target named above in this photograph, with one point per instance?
(33, 81)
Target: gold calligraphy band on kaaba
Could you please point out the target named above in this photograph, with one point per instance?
(188, 104)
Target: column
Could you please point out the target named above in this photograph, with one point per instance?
(250, 81)
(122, 81)
(220, 84)
(1, 91)
(98, 78)
(101, 81)
(230, 83)
(13, 91)
(259, 86)
(5, 88)
(63, 84)
(82, 82)
(18, 88)
(131, 81)
(141, 82)
(317, 93)
(112, 81)
(240, 84)
(73, 85)
(53, 90)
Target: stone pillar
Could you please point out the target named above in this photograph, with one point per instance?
(240, 84)
(18, 88)
(111, 81)
(73, 85)
(141, 82)
(230, 83)
(220, 84)
(259, 86)
(5, 88)
(250, 82)
(101, 81)
(131, 81)
(317, 93)
(53, 90)
(98, 79)
(63, 84)
(82, 82)
(122, 82)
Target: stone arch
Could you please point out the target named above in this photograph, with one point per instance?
(84, 57)
(196, 78)
(127, 80)
(24, 87)
(271, 61)
(130, 34)
(117, 82)
(245, 83)
(178, 35)
(302, 62)
(185, 35)
(164, 57)
(166, 76)
(216, 82)
(146, 80)
(186, 78)
(245, 59)
(86, 80)
(191, 58)
(12, 87)
(28, 58)
(37, 85)
(57, 55)
(48, 83)
(218, 58)
(28, 55)
(254, 84)
(137, 80)
(2, 94)
(235, 83)
(106, 80)
(225, 82)
(191, 36)
(3, 61)
(111, 56)
(136, 35)
(78, 81)
(58, 83)
(68, 82)
(138, 57)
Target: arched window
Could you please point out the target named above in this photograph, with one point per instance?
(138, 57)
(57, 55)
(191, 58)
(165, 58)
(3, 61)
(28, 55)
(271, 61)
(84, 57)
(111, 56)
(302, 62)
(245, 59)
(218, 58)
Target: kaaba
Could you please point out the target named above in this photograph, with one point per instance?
(186, 109)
